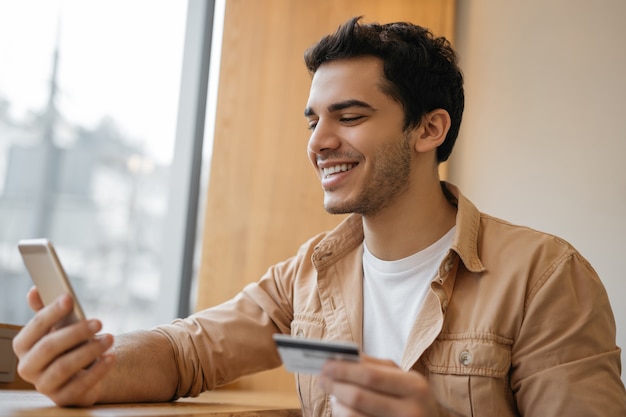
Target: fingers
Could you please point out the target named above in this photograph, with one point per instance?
(71, 370)
(34, 300)
(341, 409)
(38, 356)
(360, 400)
(376, 388)
(68, 365)
(376, 374)
(42, 323)
(65, 361)
(84, 388)
(370, 359)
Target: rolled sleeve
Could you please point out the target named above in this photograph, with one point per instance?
(218, 345)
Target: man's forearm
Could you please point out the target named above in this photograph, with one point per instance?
(145, 369)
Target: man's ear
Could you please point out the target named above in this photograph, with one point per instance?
(432, 130)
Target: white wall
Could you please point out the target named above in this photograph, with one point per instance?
(543, 140)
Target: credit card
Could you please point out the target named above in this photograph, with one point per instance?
(307, 356)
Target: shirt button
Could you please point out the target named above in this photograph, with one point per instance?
(465, 358)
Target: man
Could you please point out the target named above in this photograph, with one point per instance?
(457, 313)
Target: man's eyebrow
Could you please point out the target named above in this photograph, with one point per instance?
(341, 106)
(349, 103)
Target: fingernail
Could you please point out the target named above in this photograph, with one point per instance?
(62, 300)
(104, 340)
(93, 325)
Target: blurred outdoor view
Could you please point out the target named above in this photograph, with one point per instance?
(88, 106)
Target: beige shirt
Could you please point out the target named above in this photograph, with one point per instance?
(516, 324)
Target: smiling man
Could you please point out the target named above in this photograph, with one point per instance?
(457, 313)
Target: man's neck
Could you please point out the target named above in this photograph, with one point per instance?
(417, 220)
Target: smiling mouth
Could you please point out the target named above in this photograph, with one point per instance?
(327, 172)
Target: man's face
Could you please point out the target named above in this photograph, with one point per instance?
(357, 144)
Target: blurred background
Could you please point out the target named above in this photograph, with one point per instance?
(89, 96)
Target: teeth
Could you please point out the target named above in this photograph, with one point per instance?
(337, 168)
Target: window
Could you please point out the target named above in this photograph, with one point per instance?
(89, 144)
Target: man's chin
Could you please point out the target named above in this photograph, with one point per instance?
(333, 207)
(335, 211)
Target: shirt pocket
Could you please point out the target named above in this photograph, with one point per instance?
(470, 375)
(313, 399)
(308, 325)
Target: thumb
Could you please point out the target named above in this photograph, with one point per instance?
(34, 299)
(377, 361)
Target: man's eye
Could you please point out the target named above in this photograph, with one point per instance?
(351, 119)
(312, 125)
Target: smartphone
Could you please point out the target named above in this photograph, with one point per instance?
(307, 356)
(47, 273)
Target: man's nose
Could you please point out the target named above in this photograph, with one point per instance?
(323, 138)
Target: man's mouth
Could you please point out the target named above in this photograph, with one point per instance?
(326, 172)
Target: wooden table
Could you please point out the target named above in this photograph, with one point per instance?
(16, 403)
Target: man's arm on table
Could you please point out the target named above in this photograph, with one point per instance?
(74, 366)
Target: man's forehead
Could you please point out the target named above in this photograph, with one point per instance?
(354, 79)
(364, 67)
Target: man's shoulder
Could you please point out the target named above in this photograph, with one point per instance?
(499, 229)
(514, 246)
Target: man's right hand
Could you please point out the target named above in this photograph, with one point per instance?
(66, 364)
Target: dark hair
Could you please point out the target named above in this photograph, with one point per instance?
(420, 69)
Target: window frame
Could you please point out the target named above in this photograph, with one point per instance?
(180, 231)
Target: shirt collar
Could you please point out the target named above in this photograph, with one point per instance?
(465, 242)
(348, 235)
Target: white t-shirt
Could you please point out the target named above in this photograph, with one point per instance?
(393, 292)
